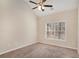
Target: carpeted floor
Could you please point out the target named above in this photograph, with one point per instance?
(41, 51)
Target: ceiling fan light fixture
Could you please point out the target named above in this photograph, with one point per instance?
(39, 8)
(43, 7)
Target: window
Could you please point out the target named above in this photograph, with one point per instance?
(55, 30)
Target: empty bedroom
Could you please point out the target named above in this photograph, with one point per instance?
(39, 29)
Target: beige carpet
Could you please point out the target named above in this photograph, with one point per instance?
(41, 51)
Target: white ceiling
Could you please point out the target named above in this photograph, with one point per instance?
(59, 5)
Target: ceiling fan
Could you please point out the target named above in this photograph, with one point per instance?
(40, 5)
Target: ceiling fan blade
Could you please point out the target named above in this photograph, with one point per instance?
(32, 2)
(34, 7)
(42, 9)
(43, 0)
(48, 5)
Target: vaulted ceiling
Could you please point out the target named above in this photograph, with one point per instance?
(58, 5)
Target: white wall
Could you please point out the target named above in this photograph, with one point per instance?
(18, 27)
(70, 16)
(78, 29)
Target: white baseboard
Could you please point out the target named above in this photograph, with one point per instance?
(59, 46)
(17, 48)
